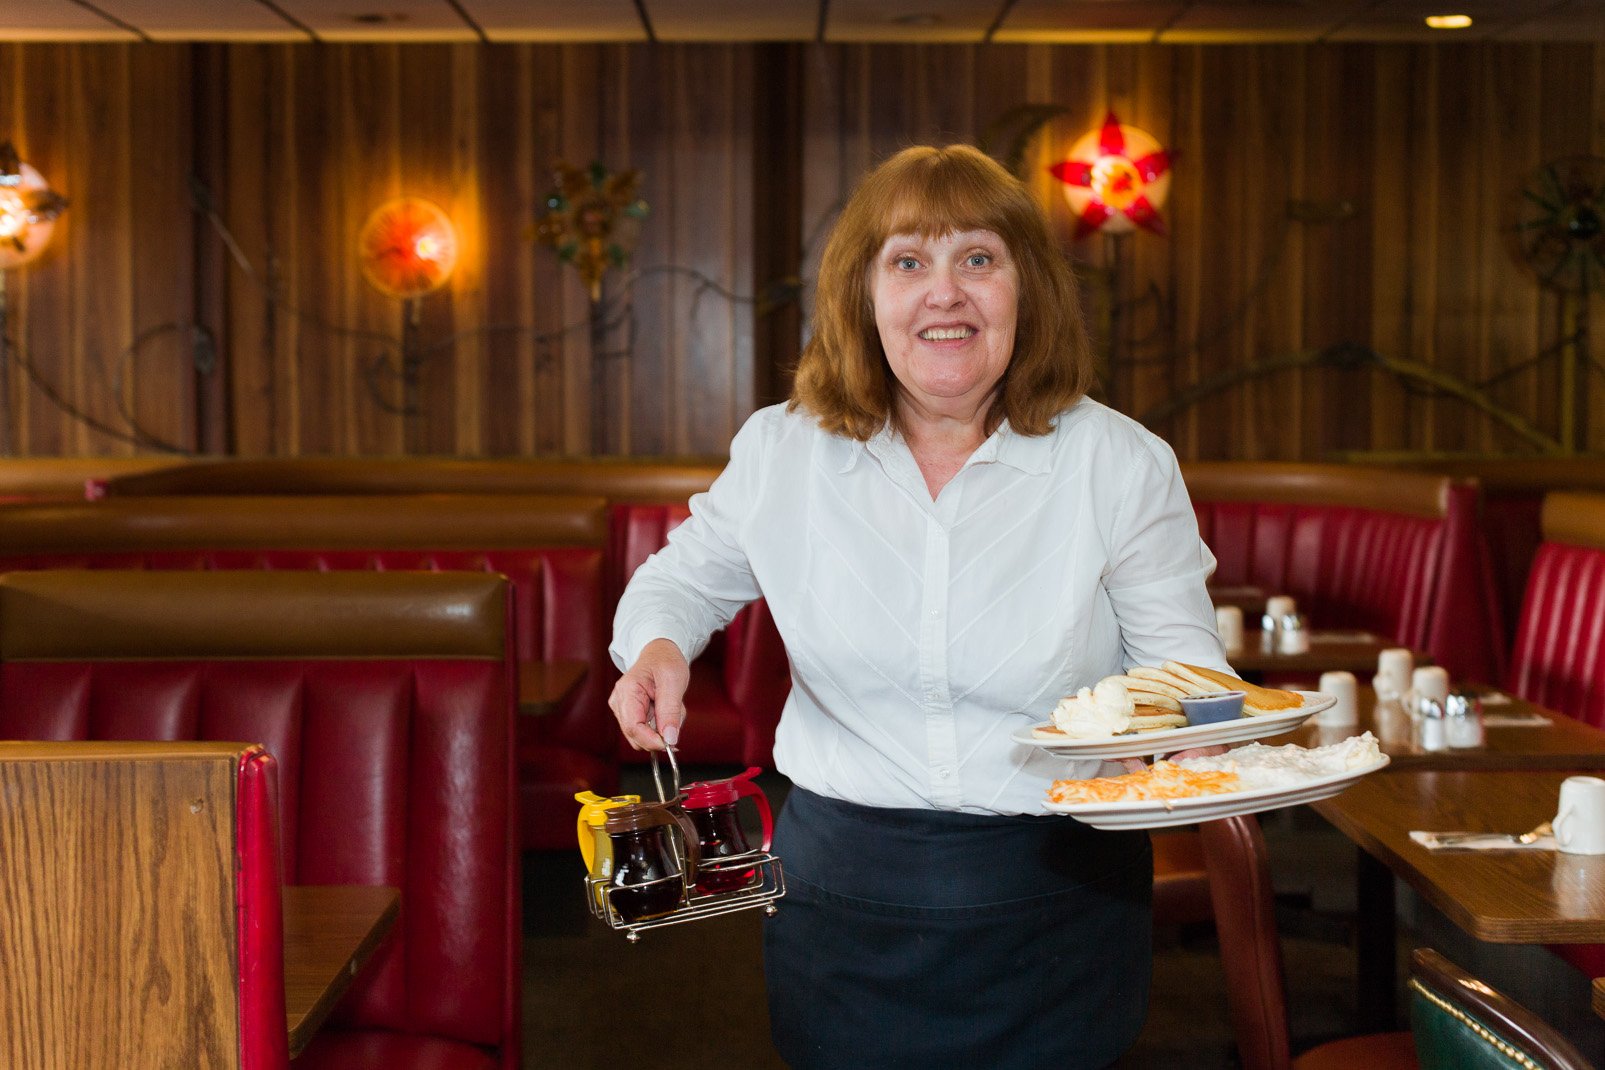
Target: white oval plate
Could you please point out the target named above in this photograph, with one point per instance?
(1170, 740)
(1165, 813)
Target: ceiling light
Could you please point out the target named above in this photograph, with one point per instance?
(1448, 22)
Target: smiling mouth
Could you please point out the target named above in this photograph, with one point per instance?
(946, 334)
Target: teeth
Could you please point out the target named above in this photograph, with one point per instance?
(945, 334)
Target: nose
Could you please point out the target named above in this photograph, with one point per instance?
(945, 290)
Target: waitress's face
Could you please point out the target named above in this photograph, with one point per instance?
(945, 307)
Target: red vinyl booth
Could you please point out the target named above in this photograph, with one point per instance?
(549, 548)
(1396, 553)
(738, 684)
(386, 700)
(1559, 657)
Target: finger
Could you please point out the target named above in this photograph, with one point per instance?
(631, 703)
(1196, 752)
(668, 712)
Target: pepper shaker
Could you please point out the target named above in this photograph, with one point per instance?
(1433, 735)
(1293, 638)
(1462, 714)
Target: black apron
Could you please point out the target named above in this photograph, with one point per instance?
(934, 940)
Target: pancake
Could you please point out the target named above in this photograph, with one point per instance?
(1163, 680)
(1153, 718)
(1258, 700)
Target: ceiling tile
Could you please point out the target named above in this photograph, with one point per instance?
(910, 20)
(349, 20)
(57, 20)
(734, 20)
(193, 19)
(1283, 21)
(558, 20)
(1108, 20)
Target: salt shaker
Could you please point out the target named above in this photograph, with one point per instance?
(1462, 715)
(1277, 610)
(1433, 733)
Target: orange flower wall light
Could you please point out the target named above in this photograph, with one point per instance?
(28, 210)
(592, 219)
(407, 248)
(1116, 179)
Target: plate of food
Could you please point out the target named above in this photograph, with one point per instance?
(1247, 780)
(1161, 710)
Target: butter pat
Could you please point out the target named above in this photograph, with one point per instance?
(1095, 712)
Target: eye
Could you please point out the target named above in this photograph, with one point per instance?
(978, 260)
(906, 263)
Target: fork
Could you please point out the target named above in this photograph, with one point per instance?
(1525, 838)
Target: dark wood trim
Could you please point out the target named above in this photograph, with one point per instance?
(777, 222)
(212, 419)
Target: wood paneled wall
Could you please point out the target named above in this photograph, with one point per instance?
(1430, 145)
(151, 311)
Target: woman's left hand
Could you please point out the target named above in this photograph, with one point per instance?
(1137, 765)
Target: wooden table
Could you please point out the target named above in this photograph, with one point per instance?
(543, 685)
(330, 932)
(1520, 897)
(1503, 897)
(1564, 743)
(1599, 996)
(1354, 651)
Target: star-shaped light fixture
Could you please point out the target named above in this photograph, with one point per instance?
(1116, 179)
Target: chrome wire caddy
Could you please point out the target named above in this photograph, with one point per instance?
(761, 887)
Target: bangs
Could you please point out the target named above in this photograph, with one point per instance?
(940, 193)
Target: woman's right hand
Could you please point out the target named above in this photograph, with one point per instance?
(652, 692)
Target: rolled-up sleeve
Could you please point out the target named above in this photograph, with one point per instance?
(701, 578)
(1158, 568)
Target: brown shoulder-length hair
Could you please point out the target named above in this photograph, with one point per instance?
(843, 378)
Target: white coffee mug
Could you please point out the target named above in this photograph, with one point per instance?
(1580, 821)
(1279, 606)
(1393, 672)
(1427, 684)
(1430, 681)
(1343, 687)
(1229, 625)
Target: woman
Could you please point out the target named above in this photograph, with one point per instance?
(951, 536)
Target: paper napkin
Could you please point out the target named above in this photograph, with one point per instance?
(1479, 841)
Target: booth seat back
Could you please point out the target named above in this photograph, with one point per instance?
(1559, 657)
(740, 682)
(25, 479)
(549, 548)
(618, 479)
(1397, 553)
(1513, 492)
(386, 700)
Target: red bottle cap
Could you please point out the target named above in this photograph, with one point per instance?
(718, 792)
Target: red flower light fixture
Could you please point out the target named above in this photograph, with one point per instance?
(407, 248)
(28, 210)
(1116, 179)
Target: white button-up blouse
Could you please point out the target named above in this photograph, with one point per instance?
(922, 634)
